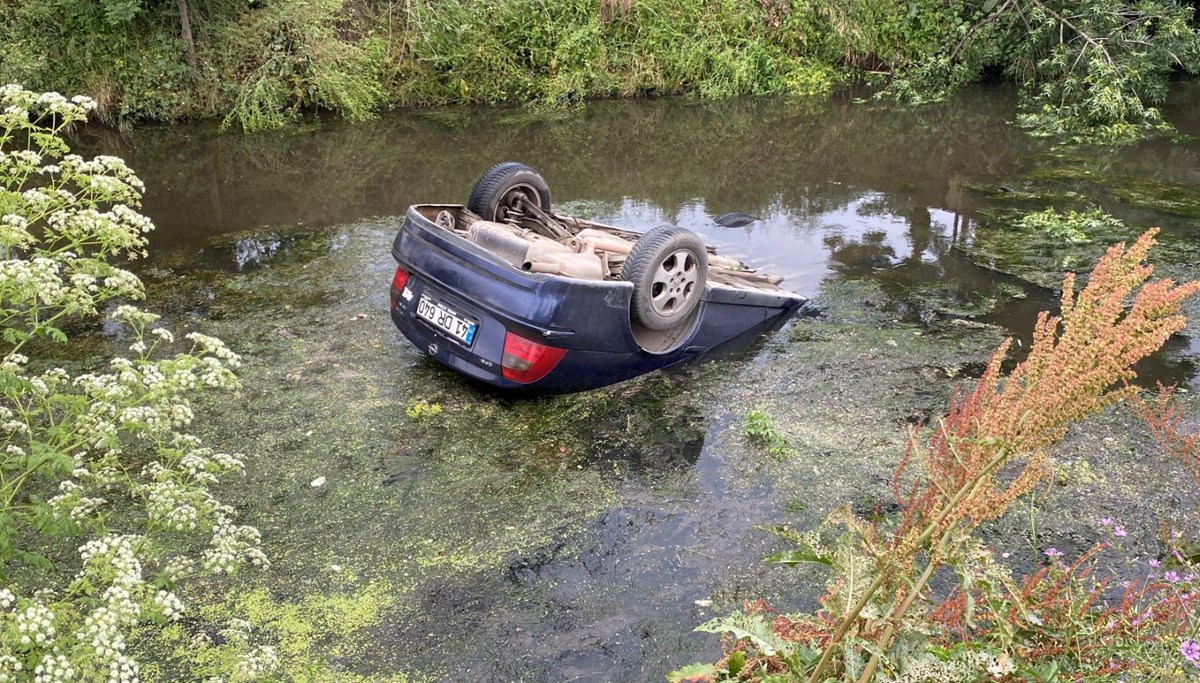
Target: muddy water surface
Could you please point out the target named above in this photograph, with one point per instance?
(465, 535)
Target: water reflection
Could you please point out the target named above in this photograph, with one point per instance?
(784, 160)
(843, 188)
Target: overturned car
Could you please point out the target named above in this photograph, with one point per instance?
(508, 292)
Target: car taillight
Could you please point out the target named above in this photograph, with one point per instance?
(527, 361)
(398, 281)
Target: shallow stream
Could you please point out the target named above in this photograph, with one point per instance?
(464, 535)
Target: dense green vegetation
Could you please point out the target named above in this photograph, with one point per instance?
(1090, 70)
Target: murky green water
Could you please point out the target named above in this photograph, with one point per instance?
(482, 537)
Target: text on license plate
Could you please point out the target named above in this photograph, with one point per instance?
(446, 319)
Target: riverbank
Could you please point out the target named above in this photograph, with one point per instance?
(262, 63)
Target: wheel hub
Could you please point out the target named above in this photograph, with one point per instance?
(674, 283)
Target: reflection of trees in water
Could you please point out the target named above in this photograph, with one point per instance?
(861, 257)
(745, 155)
(794, 160)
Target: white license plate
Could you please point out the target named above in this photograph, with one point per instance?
(446, 319)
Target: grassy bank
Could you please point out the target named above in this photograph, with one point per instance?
(258, 63)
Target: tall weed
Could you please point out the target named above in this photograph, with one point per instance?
(879, 617)
(289, 57)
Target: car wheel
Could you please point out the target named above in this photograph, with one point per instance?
(668, 267)
(502, 188)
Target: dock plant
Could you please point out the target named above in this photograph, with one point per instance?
(106, 498)
(881, 619)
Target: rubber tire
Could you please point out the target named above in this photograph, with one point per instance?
(642, 264)
(498, 181)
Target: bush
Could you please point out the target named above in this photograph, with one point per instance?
(106, 498)
(879, 618)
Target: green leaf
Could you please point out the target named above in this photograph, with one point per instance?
(752, 628)
(692, 672)
(800, 556)
(989, 6)
(32, 559)
(737, 660)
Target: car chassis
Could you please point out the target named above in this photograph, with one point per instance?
(509, 293)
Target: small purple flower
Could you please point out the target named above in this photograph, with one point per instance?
(1155, 564)
(1119, 531)
(1107, 521)
(1171, 577)
(1053, 553)
(1190, 650)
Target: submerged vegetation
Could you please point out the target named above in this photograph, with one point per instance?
(884, 617)
(1091, 70)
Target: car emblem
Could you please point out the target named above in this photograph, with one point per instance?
(433, 349)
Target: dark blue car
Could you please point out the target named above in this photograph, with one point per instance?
(507, 292)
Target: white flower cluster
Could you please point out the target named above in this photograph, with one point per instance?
(256, 663)
(102, 632)
(141, 415)
(179, 415)
(54, 668)
(8, 421)
(133, 315)
(113, 558)
(123, 283)
(57, 236)
(228, 462)
(215, 347)
(177, 568)
(231, 546)
(14, 232)
(173, 504)
(122, 669)
(198, 466)
(37, 199)
(102, 166)
(10, 668)
(72, 501)
(117, 230)
(22, 162)
(53, 103)
(113, 555)
(252, 664)
(169, 604)
(35, 625)
(28, 282)
(144, 396)
(85, 282)
(237, 631)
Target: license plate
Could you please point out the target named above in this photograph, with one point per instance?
(444, 318)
